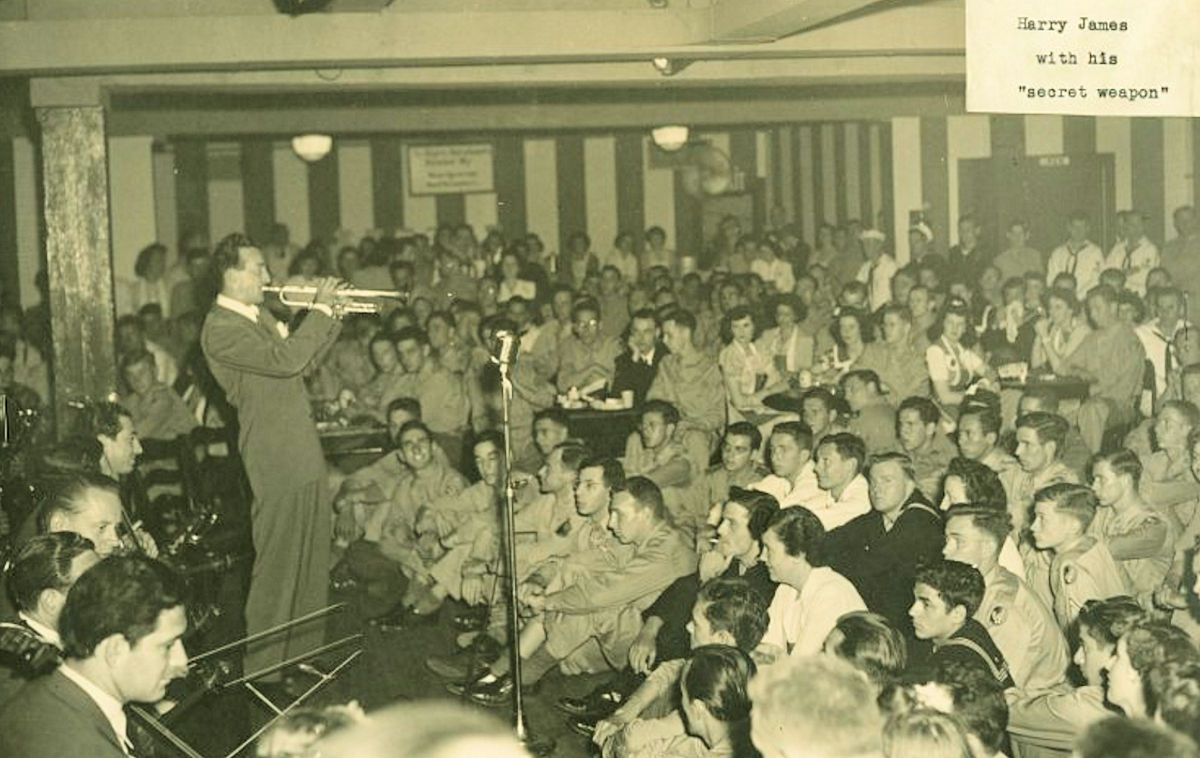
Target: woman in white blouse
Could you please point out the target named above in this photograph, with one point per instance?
(623, 257)
(750, 373)
(953, 364)
(1060, 332)
(851, 332)
(788, 347)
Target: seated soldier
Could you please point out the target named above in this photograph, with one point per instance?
(584, 484)
(900, 368)
(871, 644)
(738, 466)
(588, 356)
(530, 392)
(1054, 718)
(691, 381)
(811, 596)
(978, 438)
(824, 413)
(1070, 567)
(1110, 359)
(390, 546)
(370, 486)
(793, 479)
(1020, 624)
(664, 634)
(549, 430)
(879, 551)
(1139, 537)
(844, 490)
(1039, 444)
(388, 381)
(157, 412)
(725, 612)
(926, 446)
(655, 452)
(122, 627)
(1166, 481)
(948, 595)
(1074, 451)
(874, 418)
(442, 393)
(41, 573)
(589, 610)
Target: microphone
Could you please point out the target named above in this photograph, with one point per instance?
(504, 351)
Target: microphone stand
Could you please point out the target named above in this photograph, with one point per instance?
(510, 546)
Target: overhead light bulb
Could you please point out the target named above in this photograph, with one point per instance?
(312, 147)
(670, 138)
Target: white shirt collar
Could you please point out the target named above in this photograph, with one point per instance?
(46, 633)
(112, 708)
(238, 307)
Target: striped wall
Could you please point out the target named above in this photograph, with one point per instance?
(1156, 161)
(807, 173)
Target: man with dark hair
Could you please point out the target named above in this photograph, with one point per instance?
(131, 338)
(587, 357)
(793, 479)
(879, 551)
(1074, 451)
(965, 260)
(844, 491)
(41, 574)
(157, 412)
(738, 467)
(88, 505)
(442, 393)
(979, 436)
(1040, 438)
(588, 612)
(636, 368)
(926, 446)
(822, 412)
(655, 453)
(948, 594)
(1110, 359)
(261, 368)
(550, 428)
(874, 418)
(691, 381)
(1021, 625)
(122, 627)
(899, 366)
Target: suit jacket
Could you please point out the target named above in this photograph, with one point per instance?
(262, 375)
(52, 717)
(636, 376)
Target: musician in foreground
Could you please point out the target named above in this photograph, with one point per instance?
(121, 628)
(260, 366)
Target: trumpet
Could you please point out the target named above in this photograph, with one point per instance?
(353, 301)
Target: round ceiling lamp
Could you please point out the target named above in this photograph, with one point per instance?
(312, 147)
(670, 138)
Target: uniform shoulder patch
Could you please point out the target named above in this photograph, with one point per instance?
(997, 616)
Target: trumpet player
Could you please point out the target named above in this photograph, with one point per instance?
(260, 365)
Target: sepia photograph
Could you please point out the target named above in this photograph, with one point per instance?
(599, 379)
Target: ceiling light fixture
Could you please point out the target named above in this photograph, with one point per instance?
(312, 147)
(670, 138)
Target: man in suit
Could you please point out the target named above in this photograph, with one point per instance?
(636, 367)
(260, 366)
(121, 628)
(41, 574)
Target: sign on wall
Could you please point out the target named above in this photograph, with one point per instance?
(450, 169)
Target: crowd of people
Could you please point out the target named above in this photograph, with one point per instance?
(853, 516)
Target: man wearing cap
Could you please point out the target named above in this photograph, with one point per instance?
(920, 242)
(878, 270)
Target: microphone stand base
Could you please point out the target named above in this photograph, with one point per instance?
(539, 747)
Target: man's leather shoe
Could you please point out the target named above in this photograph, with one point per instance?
(582, 726)
(597, 704)
(402, 618)
(471, 620)
(497, 692)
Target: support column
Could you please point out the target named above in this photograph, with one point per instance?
(78, 253)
